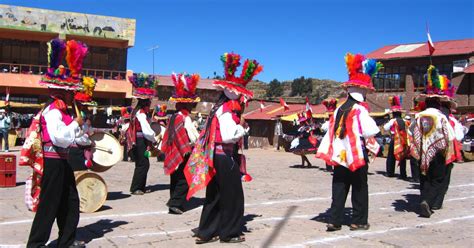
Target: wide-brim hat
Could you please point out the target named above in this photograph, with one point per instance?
(144, 85)
(231, 82)
(185, 99)
(233, 87)
(185, 86)
(143, 93)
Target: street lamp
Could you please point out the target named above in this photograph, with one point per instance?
(153, 50)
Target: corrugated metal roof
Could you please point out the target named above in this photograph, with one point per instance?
(442, 48)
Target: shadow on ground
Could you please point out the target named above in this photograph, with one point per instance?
(158, 187)
(299, 166)
(409, 204)
(94, 231)
(116, 195)
(324, 217)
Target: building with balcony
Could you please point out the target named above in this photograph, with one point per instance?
(24, 33)
(405, 66)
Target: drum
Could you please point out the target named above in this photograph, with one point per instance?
(92, 191)
(156, 127)
(106, 151)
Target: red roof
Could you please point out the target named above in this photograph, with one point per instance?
(273, 110)
(442, 48)
(469, 69)
(204, 83)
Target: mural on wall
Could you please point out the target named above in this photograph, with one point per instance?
(23, 18)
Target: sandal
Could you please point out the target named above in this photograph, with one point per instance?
(200, 241)
(238, 239)
(356, 227)
(332, 228)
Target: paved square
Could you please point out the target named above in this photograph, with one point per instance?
(285, 206)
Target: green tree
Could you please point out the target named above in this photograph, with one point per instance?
(275, 89)
(301, 87)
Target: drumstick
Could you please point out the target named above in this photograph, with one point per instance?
(103, 149)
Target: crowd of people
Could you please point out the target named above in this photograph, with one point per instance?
(210, 158)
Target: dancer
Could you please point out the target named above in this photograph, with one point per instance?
(433, 138)
(331, 105)
(214, 161)
(179, 139)
(59, 199)
(346, 145)
(140, 136)
(398, 148)
(305, 143)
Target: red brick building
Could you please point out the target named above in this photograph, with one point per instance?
(405, 66)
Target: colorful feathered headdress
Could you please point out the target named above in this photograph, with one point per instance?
(57, 75)
(330, 104)
(235, 84)
(438, 86)
(185, 88)
(144, 85)
(361, 70)
(85, 94)
(395, 103)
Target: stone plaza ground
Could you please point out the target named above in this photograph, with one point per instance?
(286, 206)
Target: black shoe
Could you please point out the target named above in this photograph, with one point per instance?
(200, 241)
(332, 228)
(138, 192)
(175, 210)
(238, 239)
(78, 244)
(425, 210)
(356, 227)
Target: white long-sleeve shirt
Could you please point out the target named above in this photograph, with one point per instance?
(61, 135)
(230, 131)
(389, 124)
(148, 133)
(458, 129)
(191, 130)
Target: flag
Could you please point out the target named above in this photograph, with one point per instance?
(7, 97)
(284, 105)
(262, 106)
(430, 42)
(309, 111)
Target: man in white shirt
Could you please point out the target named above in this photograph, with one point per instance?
(5, 122)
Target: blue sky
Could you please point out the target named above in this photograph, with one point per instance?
(291, 38)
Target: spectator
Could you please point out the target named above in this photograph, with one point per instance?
(4, 127)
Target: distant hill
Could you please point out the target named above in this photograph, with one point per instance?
(322, 89)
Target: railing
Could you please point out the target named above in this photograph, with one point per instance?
(41, 69)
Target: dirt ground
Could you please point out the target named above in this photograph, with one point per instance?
(285, 206)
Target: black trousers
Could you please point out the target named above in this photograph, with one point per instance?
(438, 203)
(58, 200)
(76, 159)
(224, 205)
(433, 183)
(415, 169)
(391, 161)
(342, 180)
(142, 164)
(178, 187)
(125, 152)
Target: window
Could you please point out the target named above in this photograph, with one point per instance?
(390, 79)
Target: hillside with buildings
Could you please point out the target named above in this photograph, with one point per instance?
(295, 91)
